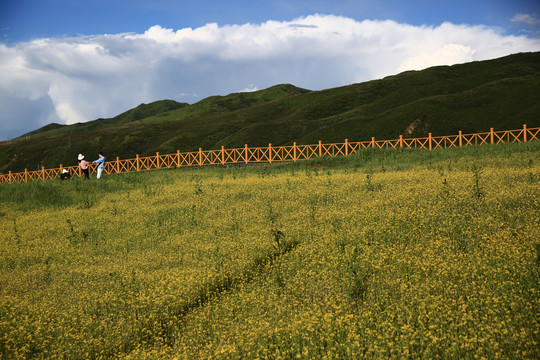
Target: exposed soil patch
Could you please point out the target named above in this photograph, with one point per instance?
(418, 127)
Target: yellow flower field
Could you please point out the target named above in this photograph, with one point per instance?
(391, 254)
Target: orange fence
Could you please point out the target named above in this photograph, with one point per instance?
(269, 154)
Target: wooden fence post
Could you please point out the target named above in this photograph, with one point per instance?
(25, 175)
(270, 153)
(320, 148)
(373, 142)
(294, 151)
(429, 137)
(491, 135)
(524, 133)
(346, 147)
(400, 141)
(117, 165)
(222, 155)
(43, 173)
(246, 153)
(460, 138)
(138, 168)
(200, 156)
(10, 176)
(157, 160)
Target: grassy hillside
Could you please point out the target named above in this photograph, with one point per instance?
(140, 112)
(471, 97)
(384, 254)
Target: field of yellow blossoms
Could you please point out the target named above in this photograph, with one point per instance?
(383, 254)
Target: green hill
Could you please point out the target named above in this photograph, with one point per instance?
(471, 97)
(140, 112)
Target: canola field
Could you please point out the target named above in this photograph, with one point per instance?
(383, 254)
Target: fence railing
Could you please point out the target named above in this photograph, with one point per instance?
(270, 153)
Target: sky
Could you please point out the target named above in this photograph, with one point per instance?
(69, 61)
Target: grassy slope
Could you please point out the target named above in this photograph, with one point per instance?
(140, 112)
(385, 254)
(471, 97)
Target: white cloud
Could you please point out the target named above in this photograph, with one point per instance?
(526, 18)
(80, 79)
(250, 88)
(447, 55)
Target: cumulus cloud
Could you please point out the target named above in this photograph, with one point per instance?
(80, 79)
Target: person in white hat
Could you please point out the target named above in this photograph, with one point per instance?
(65, 174)
(84, 166)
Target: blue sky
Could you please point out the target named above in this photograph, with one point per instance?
(68, 61)
(22, 20)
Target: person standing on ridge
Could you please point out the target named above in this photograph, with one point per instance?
(101, 164)
(84, 166)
